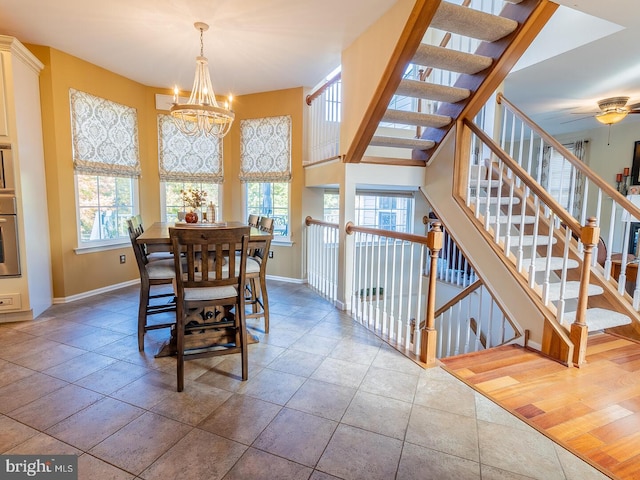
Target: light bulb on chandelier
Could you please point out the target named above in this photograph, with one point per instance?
(201, 113)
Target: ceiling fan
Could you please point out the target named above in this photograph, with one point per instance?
(614, 110)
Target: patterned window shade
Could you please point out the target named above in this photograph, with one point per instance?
(265, 149)
(185, 158)
(104, 136)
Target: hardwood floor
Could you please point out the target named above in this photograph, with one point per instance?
(593, 410)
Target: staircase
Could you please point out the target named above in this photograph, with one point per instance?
(465, 81)
(547, 269)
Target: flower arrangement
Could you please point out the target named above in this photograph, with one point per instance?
(193, 197)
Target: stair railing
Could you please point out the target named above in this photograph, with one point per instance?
(389, 293)
(581, 191)
(472, 321)
(324, 119)
(322, 257)
(527, 226)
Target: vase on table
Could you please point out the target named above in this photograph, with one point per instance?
(191, 217)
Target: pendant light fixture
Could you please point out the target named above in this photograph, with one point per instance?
(202, 114)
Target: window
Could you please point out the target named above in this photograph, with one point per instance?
(265, 169)
(104, 205)
(270, 200)
(385, 210)
(186, 161)
(107, 167)
(561, 179)
(172, 201)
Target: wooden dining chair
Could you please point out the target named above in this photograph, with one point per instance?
(253, 220)
(256, 284)
(152, 274)
(138, 226)
(210, 312)
(266, 224)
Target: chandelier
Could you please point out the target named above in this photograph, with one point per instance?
(202, 114)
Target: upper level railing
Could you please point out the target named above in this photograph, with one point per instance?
(324, 121)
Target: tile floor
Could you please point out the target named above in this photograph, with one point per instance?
(325, 399)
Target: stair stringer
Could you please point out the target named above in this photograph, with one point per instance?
(498, 277)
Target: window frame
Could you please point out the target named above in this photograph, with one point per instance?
(103, 244)
(163, 198)
(277, 239)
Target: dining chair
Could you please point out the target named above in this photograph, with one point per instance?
(210, 311)
(253, 220)
(266, 224)
(152, 274)
(138, 226)
(256, 284)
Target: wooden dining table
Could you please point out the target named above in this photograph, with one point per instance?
(156, 238)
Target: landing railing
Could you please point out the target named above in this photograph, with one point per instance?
(579, 190)
(322, 257)
(389, 293)
(452, 267)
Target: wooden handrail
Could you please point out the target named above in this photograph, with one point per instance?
(462, 294)
(520, 172)
(310, 221)
(350, 228)
(322, 88)
(597, 180)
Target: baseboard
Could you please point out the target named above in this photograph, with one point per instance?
(299, 281)
(91, 293)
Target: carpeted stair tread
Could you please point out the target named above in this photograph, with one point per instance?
(416, 118)
(598, 319)
(515, 219)
(571, 290)
(540, 263)
(401, 142)
(472, 23)
(452, 60)
(503, 200)
(527, 240)
(432, 91)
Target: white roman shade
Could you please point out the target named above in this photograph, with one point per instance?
(104, 136)
(184, 158)
(265, 149)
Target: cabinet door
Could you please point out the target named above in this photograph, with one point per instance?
(3, 103)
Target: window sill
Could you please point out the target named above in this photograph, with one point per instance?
(100, 248)
(285, 242)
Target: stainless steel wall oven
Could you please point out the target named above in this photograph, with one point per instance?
(9, 252)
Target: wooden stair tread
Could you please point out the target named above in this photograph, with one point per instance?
(527, 240)
(472, 23)
(416, 118)
(452, 60)
(515, 219)
(432, 91)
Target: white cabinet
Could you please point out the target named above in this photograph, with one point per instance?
(21, 127)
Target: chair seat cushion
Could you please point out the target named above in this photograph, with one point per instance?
(155, 256)
(209, 293)
(161, 269)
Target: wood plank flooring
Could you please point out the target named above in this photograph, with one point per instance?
(593, 410)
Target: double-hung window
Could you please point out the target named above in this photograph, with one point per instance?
(107, 166)
(186, 162)
(265, 169)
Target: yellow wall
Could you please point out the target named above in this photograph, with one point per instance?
(76, 274)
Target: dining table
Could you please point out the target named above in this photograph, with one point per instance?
(156, 239)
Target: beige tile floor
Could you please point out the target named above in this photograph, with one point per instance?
(325, 399)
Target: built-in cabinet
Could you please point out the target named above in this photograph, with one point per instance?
(31, 292)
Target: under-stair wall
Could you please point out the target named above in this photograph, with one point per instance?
(438, 188)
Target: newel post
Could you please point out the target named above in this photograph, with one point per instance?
(579, 330)
(429, 334)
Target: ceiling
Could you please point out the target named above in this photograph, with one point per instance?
(262, 45)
